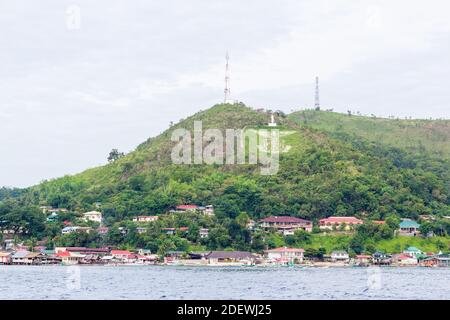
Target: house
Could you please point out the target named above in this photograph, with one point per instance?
(363, 260)
(209, 210)
(337, 223)
(70, 258)
(94, 216)
(103, 230)
(83, 250)
(426, 217)
(285, 225)
(378, 222)
(27, 258)
(206, 210)
(413, 252)
(169, 231)
(144, 252)
(284, 254)
(439, 260)
(49, 209)
(230, 257)
(120, 254)
(408, 227)
(72, 229)
(251, 225)
(404, 260)
(340, 256)
(203, 232)
(186, 208)
(141, 230)
(52, 217)
(5, 257)
(380, 258)
(145, 218)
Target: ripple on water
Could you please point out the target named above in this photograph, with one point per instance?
(156, 282)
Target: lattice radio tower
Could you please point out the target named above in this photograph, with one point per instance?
(227, 90)
(317, 100)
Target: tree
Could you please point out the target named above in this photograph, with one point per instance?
(115, 155)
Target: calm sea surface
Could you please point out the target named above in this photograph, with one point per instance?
(173, 282)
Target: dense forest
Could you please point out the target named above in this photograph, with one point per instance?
(337, 165)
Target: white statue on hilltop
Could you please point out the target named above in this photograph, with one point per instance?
(272, 122)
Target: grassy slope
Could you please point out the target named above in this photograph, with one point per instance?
(397, 244)
(418, 136)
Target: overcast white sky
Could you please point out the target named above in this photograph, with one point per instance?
(72, 89)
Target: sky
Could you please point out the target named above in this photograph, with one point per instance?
(78, 78)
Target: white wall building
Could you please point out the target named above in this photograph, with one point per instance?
(93, 216)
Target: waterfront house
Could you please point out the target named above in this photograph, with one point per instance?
(439, 260)
(338, 223)
(88, 251)
(408, 227)
(363, 260)
(94, 216)
(285, 254)
(230, 257)
(144, 252)
(120, 254)
(340, 256)
(404, 260)
(286, 225)
(380, 258)
(145, 219)
(203, 232)
(413, 252)
(70, 258)
(5, 257)
(27, 258)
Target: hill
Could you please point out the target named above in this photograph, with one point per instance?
(336, 165)
(333, 165)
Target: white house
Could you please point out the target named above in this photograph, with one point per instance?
(93, 216)
(204, 233)
(145, 218)
(141, 230)
(339, 256)
(285, 254)
(413, 252)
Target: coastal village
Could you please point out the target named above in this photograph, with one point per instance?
(13, 253)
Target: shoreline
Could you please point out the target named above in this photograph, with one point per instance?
(259, 266)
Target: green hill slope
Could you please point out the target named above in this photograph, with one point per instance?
(336, 165)
(416, 136)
